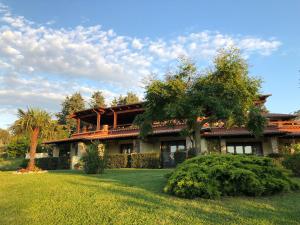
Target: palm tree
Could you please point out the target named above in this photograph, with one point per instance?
(36, 123)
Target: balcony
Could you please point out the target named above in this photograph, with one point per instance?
(289, 126)
(106, 130)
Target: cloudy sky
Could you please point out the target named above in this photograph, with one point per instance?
(50, 49)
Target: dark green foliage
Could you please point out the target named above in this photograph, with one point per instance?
(97, 100)
(117, 161)
(292, 162)
(17, 147)
(51, 163)
(275, 155)
(192, 152)
(70, 105)
(145, 160)
(179, 157)
(255, 121)
(129, 98)
(224, 93)
(94, 159)
(212, 176)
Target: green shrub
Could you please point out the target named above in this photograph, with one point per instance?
(117, 161)
(10, 164)
(17, 148)
(50, 163)
(94, 159)
(145, 160)
(192, 152)
(212, 176)
(179, 157)
(292, 162)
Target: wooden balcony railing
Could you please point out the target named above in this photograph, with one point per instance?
(287, 125)
(122, 128)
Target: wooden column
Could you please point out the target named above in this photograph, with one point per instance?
(115, 119)
(98, 120)
(78, 125)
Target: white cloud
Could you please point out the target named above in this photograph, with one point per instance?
(40, 65)
(136, 43)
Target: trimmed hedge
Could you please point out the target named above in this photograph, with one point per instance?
(292, 162)
(51, 163)
(145, 160)
(212, 176)
(179, 157)
(117, 161)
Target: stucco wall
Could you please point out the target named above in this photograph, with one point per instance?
(265, 141)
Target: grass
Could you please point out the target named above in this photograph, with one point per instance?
(10, 164)
(128, 196)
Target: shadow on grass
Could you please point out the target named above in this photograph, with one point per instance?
(141, 189)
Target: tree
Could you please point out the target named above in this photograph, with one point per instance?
(34, 122)
(129, 98)
(224, 94)
(114, 102)
(97, 100)
(4, 137)
(70, 105)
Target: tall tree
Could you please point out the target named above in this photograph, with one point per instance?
(97, 100)
(114, 102)
(34, 122)
(4, 137)
(224, 94)
(70, 105)
(129, 98)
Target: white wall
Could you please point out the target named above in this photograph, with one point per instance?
(37, 155)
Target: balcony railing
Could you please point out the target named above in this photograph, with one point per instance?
(121, 128)
(287, 125)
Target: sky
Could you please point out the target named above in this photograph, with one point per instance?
(51, 49)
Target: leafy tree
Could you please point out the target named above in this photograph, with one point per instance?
(114, 102)
(129, 98)
(4, 137)
(17, 147)
(34, 122)
(97, 100)
(224, 94)
(70, 105)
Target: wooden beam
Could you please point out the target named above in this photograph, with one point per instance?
(115, 119)
(78, 125)
(98, 121)
(126, 111)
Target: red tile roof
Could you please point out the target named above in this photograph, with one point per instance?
(238, 131)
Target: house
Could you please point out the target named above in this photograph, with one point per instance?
(114, 127)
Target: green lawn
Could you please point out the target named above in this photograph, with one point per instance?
(128, 196)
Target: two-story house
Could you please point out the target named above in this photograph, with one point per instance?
(114, 127)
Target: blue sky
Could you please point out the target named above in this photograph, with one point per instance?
(50, 49)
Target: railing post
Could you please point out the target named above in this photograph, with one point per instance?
(98, 121)
(115, 119)
(78, 125)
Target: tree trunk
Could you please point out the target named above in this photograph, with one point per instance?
(197, 137)
(33, 145)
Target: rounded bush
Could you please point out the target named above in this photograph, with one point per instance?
(292, 162)
(212, 176)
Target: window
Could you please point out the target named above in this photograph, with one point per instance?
(243, 148)
(248, 149)
(126, 148)
(239, 149)
(230, 149)
(168, 149)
